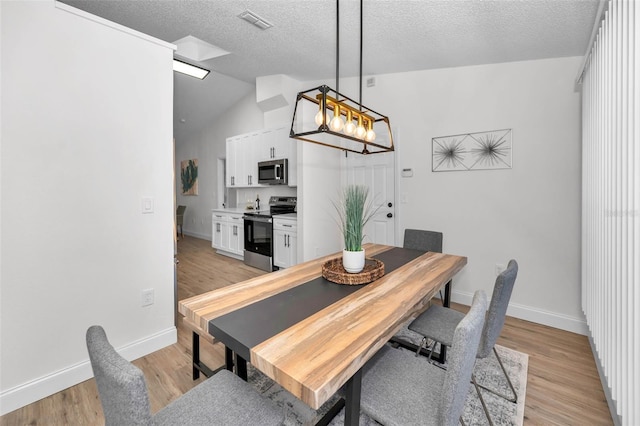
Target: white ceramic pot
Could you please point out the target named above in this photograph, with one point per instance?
(353, 261)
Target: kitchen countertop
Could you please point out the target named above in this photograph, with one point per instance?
(239, 210)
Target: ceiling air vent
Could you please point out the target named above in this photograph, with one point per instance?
(254, 19)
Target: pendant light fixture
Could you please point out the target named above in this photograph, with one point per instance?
(326, 117)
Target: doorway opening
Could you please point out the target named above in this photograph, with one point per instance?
(222, 191)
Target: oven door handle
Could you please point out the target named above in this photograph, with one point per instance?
(258, 219)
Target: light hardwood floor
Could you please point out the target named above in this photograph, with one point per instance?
(563, 387)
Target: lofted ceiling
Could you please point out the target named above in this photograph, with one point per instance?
(399, 35)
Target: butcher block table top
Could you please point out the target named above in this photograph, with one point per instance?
(310, 335)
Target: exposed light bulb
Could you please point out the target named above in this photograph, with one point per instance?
(370, 136)
(360, 130)
(336, 123)
(319, 118)
(349, 127)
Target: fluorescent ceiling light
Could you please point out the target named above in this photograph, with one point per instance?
(189, 69)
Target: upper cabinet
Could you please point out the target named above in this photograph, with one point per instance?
(275, 144)
(242, 166)
(245, 151)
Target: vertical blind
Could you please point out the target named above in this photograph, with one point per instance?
(611, 203)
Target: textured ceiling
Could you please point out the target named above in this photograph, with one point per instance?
(399, 35)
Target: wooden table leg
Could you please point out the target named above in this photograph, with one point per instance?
(352, 400)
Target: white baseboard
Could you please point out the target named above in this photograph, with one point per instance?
(197, 235)
(44, 386)
(529, 313)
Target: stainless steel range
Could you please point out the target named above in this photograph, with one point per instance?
(258, 232)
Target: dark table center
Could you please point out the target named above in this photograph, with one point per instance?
(246, 327)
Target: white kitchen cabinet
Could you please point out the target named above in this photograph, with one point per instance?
(219, 225)
(277, 144)
(274, 144)
(245, 151)
(233, 162)
(228, 234)
(285, 241)
(236, 234)
(241, 163)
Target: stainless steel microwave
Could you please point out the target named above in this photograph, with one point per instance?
(274, 172)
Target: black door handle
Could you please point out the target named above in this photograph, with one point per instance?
(389, 214)
(390, 205)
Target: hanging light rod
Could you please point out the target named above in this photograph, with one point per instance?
(326, 117)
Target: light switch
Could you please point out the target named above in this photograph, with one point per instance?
(407, 172)
(147, 205)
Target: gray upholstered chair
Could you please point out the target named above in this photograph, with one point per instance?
(419, 239)
(400, 389)
(180, 220)
(224, 399)
(438, 324)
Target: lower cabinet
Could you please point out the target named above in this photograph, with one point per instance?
(285, 242)
(228, 234)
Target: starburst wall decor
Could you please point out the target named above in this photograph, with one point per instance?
(472, 151)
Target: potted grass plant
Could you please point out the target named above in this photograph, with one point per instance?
(354, 211)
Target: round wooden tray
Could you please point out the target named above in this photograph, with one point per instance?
(333, 271)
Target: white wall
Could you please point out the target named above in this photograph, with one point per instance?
(319, 177)
(530, 212)
(207, 146)
(318, 172)
(86, 134)
(318, 181)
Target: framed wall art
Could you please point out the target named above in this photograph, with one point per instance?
(489, 150)
(189, 176)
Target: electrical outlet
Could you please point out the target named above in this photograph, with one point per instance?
(146, 297)
(499, 268)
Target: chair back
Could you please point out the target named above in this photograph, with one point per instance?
(418, 239)
(498, 308)
(121, 386)
(461, 360)
(180, 214)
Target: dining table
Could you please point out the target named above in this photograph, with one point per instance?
(313, 336)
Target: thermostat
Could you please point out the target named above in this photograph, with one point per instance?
(407, 172)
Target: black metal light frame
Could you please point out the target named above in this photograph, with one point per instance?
(321, 99)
